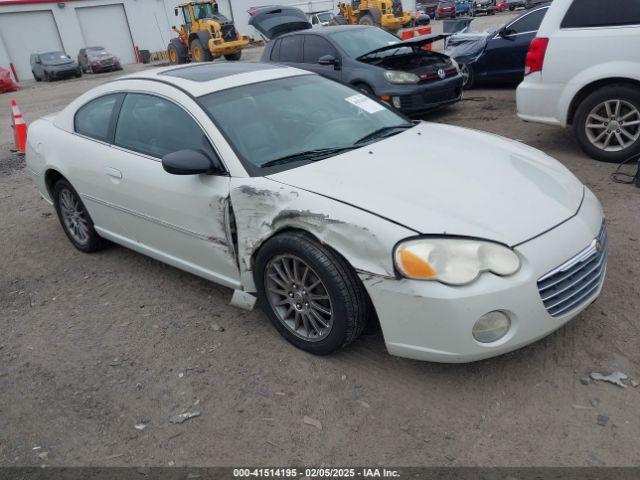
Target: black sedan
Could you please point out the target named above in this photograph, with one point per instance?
(496, 56)
(401, 73)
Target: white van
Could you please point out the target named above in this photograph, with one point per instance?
(583, 69)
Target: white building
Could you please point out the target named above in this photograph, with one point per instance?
(32, 26)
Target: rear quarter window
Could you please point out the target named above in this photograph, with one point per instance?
(94, 119)
(602, 13)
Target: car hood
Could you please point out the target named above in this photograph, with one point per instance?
(439, 179)
(416, 42)
(277, 20)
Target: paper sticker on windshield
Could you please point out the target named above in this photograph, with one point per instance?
(365, 103)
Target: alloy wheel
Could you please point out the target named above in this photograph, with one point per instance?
(298, 297)
(73, 216)
(613, 125)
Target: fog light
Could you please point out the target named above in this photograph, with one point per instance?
(396, 102)
(491, 327)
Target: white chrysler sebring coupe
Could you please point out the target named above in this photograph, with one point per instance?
(331, 208)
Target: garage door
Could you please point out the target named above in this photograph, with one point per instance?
(17, 30)
(107, 26)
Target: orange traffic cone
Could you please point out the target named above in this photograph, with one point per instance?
(19, 128)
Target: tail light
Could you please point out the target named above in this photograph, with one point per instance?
(535, 55)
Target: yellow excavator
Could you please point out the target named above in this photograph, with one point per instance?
(386, 14)
(205, 34)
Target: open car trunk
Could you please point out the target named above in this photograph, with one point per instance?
(272, 22)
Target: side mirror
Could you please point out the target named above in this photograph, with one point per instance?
(329, 60)
(191, 162)
(505, 32)
(175, 12)
(38, 60)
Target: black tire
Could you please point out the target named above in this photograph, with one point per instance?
(36, 77)
(366, 20)
(47, 77)
(234, 57)
(471, 78)
(94, 241)
(177, 52)
(623, 92)
(511, 8)
(79, 73)
(350, 304)
(197, 45)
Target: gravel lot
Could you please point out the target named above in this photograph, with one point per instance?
(91, 345)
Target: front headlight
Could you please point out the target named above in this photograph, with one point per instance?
(453, 261)
(401, 77)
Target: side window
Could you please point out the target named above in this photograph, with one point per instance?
(291, 49)
(598, 13)
(155, 126)
(528, 23)
(316, 47)
(94, 118)
(275, 51)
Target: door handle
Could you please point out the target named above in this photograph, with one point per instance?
(113, 172)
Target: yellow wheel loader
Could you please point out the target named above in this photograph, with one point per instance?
(205, 34)
(386, 14)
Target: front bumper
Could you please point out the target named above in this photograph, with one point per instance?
(431, 321)
(416, 99)
(63, 73)
(218, 47)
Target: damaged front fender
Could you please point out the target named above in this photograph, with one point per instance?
(264, 207)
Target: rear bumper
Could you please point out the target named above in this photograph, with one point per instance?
(219, 48)
(540, 102)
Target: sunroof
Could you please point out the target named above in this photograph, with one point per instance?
(212, 71)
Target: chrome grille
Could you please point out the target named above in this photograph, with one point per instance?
(569, 286)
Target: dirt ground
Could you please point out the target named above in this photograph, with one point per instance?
(92, 345)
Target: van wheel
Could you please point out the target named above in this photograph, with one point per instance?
(75, 219)
(312, 295)
(607, 123)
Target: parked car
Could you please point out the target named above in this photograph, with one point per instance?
(6, 83)
(376, 62)
(502, 5)
(488, 7)
(445, 9)
(514, 4)
(583, 70)
(329, 206)
(321, 19)
(496, 56)
(421, 18)
(53, 66)
(429, 7)
(97, 59)
(464, 8)
(534, 3)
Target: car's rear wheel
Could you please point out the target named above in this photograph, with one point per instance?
(312, 295)
(75, 219)
(607, 123)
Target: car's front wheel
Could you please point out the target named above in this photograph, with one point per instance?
(468, 76)
(312, 295)
(75, 219)
(607, 123)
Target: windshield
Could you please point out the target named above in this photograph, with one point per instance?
(53, 57)
(96, 52)
(325, 17)
(268, 121)
(358, 41)
(202, 11)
